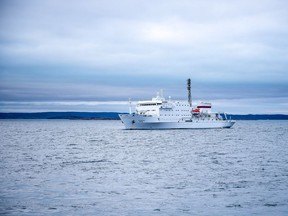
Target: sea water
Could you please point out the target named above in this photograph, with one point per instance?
(70, 167)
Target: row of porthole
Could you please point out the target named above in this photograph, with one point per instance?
(181, 105)
(177, 110)
(173, 115)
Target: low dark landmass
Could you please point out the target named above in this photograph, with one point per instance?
(63, 115)
(114, 116)
(258, 117)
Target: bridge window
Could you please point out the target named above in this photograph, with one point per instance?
(150, 104)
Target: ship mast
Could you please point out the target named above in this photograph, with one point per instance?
(130, 108)
(189, 92)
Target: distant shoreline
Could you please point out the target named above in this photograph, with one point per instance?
(114, 116)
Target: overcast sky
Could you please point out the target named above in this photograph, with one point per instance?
(93, 55)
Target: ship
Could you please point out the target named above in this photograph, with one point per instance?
(160, 113)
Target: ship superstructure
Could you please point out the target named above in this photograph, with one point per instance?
(159, 113)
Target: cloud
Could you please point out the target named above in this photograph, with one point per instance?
(98, 39)
(56, 106)
(253, 105)
(112, 50)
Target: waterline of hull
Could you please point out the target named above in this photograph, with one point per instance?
(133, 124)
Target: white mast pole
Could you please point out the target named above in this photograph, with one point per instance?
(130, 107)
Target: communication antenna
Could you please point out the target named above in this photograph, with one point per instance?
(189, 92)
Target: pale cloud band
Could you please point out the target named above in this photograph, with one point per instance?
(236, 106)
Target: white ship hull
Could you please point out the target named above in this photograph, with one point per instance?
(140, 122)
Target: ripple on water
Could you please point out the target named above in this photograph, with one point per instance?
(95, 167)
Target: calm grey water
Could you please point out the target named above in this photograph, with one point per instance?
(63, 167)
